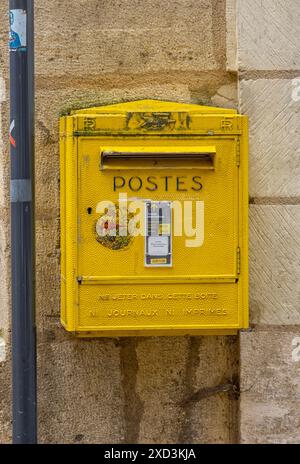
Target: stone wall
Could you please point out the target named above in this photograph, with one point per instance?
(268, 64)
(156, 389)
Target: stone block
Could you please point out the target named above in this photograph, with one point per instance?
(268, 34)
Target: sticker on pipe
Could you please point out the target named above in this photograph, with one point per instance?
(17, 31)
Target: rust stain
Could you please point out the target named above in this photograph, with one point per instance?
(133, 406)
(192, 364)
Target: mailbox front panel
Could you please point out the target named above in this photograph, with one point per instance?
(154, 222)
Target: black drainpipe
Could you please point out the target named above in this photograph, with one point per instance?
(21, 136)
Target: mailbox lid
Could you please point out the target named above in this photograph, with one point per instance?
(212, 193)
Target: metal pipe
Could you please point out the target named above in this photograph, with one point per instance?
(21, 136)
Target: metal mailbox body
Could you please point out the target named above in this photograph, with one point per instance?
(159, 154)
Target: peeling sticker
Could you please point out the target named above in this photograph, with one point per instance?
(11, 128)
(109, 230)
(17, 32)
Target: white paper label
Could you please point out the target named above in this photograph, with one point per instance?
(158, 246)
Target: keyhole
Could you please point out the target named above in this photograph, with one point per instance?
(89, 210)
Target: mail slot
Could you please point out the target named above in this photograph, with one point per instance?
(134, 159)
(154, 220)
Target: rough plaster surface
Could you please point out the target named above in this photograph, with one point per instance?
(117, 390)
(178, 389)
(5, 401)
(268, 34)
(231, 35)
(270, 385)
(83, 384)
(145, 390)
(129, 36)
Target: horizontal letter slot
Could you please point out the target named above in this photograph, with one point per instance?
(202, 158)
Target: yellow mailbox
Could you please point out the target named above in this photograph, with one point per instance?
(154, 220)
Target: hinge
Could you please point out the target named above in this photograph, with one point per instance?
(238, 152)
(238, 260)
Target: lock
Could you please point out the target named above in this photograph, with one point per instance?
(154, 220)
